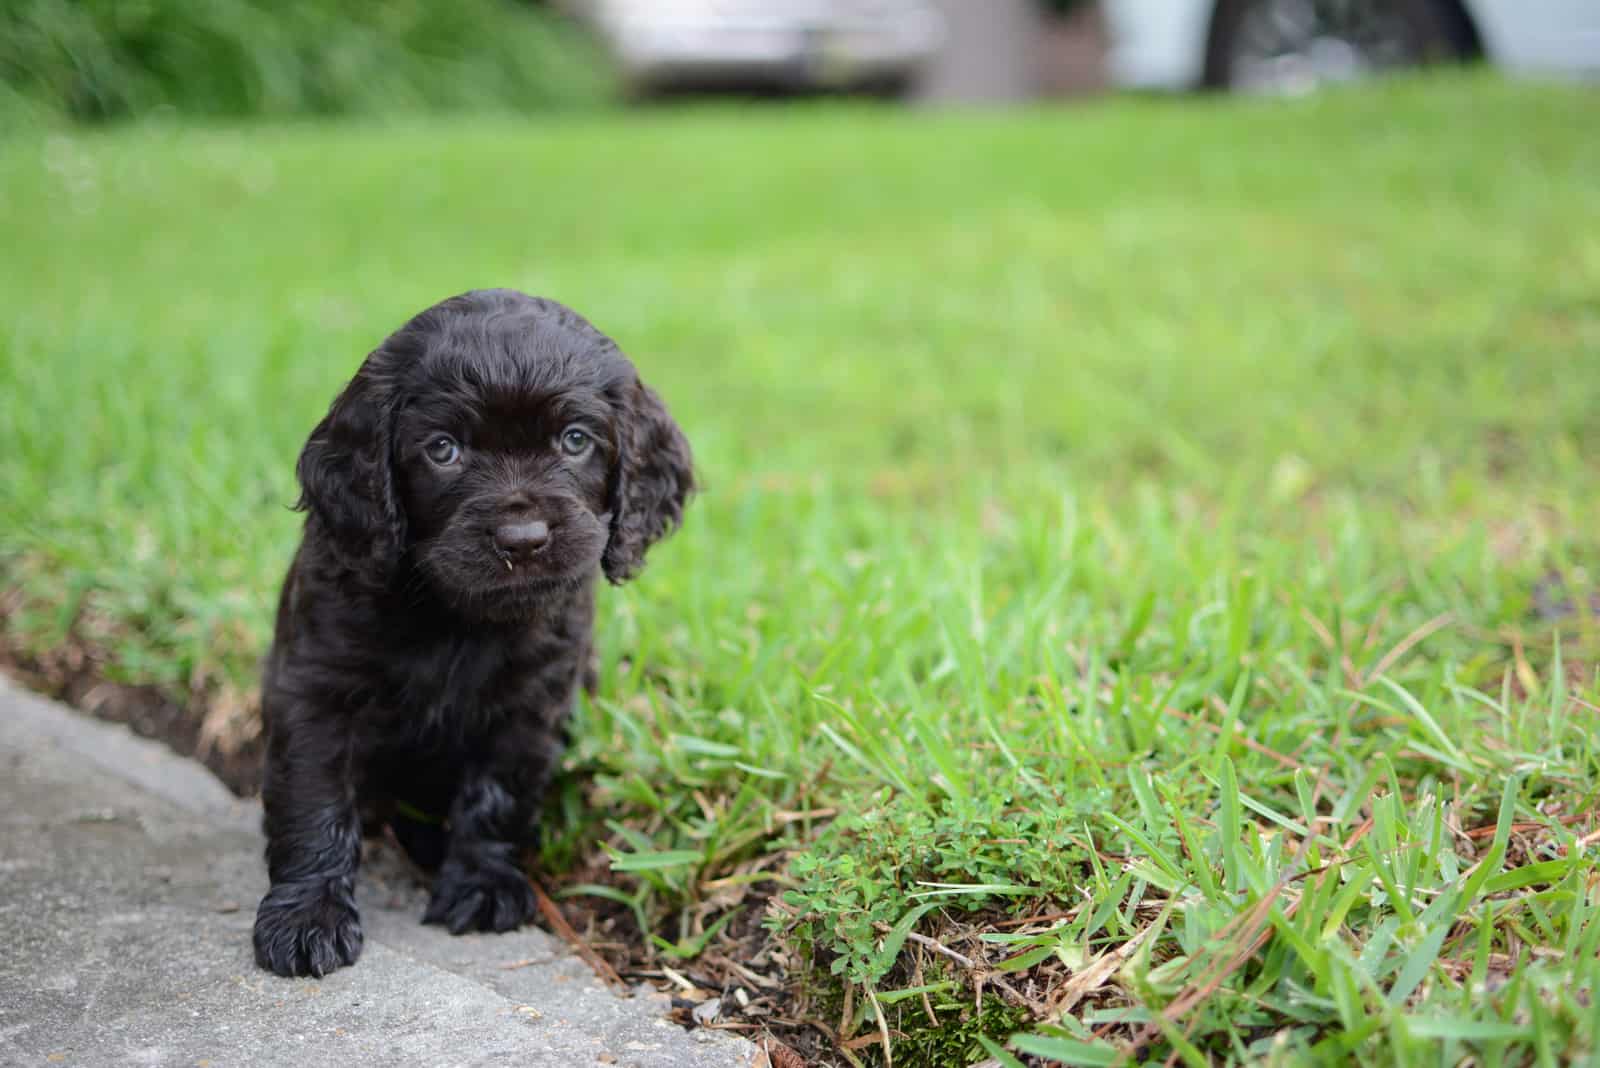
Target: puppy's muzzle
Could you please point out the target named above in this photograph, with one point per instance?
(519, 540)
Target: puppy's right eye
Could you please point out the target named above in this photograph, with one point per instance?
(443, 450)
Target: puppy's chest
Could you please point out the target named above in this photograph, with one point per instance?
(467, 686)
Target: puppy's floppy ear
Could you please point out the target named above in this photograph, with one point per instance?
(347, 478)
(650, 481)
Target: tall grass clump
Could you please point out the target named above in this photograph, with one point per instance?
(110, 59)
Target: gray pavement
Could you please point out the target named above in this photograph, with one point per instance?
(128, 884)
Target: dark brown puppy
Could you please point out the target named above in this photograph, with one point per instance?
(487, 462)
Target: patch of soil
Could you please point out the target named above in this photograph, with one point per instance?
(741, 981)
(1555, 600)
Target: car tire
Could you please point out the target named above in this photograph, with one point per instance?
(1411, 33)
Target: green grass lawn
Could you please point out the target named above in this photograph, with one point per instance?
(1139, 597)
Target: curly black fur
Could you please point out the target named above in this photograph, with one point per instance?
(424, 656)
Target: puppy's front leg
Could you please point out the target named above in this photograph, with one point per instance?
(307, 923)
(481, 886)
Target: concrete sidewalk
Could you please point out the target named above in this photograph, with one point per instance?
(128, 884)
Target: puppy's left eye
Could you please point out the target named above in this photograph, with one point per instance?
(443, 450)
(575, 441)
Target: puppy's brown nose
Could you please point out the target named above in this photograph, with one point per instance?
(521, 539)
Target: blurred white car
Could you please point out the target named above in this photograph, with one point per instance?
(1289, 46)
(797, 44)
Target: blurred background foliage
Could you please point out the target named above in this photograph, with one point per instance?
(110, 59)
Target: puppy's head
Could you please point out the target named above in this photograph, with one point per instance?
(502, 444)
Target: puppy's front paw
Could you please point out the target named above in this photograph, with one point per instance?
(489, 897)
(308, 928)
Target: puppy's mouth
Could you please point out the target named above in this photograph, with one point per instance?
(522, 593)
(514, 576)
(496, 584)
(506, 571)
(512, 570)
